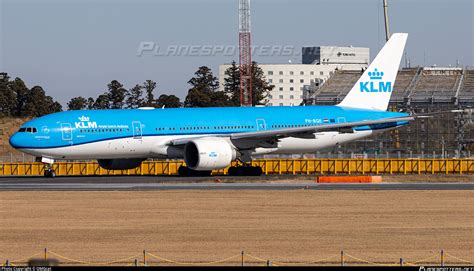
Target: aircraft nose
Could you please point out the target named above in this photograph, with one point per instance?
(15, 141)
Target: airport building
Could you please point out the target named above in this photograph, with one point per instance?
(318, 63)
(327, 55)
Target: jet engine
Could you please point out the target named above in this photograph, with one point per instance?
(120, 164)
(208, 153)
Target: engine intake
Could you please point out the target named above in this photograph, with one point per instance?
(208, 153)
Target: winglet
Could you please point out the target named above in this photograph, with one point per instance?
(375, 86)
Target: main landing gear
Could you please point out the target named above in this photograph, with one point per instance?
(187, 172)
(245, 170)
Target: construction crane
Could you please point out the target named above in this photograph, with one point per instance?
(245, 52)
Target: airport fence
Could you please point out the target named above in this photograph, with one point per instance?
(269, 167)
(243, 258)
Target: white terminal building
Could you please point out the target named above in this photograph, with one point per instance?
(318, 63)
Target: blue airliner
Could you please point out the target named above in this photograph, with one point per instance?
(211, 138)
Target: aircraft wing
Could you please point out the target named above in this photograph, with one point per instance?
(346, 127)
(307, 131)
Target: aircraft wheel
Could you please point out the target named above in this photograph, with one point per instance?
(245, 171)
(49, 173)
(253, 171)
(187, 172)
(206, 173)
(257, 171)
(232, 171)
(183, 171)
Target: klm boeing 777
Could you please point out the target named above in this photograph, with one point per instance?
(211, 138)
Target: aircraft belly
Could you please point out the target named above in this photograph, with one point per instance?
(322, 141)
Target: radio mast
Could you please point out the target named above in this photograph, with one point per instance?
(245, 52)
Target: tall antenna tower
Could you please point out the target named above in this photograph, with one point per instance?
(245, 54)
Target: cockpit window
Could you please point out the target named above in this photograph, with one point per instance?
(28, 130)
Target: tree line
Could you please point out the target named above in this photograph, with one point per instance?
(118, 97)
(17, 100)
(204, 91)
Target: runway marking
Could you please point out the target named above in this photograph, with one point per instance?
(231, 186)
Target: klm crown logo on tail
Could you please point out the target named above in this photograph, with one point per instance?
(373, 86)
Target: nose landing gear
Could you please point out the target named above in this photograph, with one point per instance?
(49, 173)
(48, 167)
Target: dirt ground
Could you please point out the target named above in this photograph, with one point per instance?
(196, 226)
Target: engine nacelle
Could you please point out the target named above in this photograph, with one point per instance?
(120, 164)
(208, 153)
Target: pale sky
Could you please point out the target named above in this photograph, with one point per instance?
(74, 48)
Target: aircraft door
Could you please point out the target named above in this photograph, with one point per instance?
(261, 125)
(66, 131)
(341, 119)
(137, 129)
